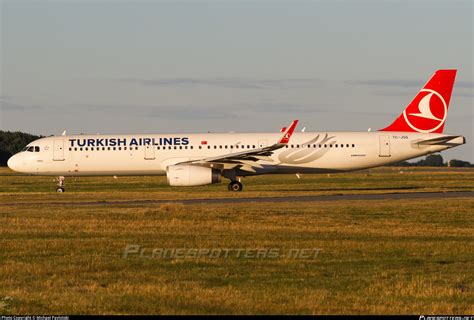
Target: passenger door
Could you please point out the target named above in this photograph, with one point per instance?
(384, 146)
(58, 151)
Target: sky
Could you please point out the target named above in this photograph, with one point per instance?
(219, 66)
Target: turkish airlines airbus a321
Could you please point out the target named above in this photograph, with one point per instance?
(203, 158)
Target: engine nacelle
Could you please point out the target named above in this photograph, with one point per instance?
(181, 175)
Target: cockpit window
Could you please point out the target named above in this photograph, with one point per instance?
(31, 149)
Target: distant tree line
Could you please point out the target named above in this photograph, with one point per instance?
(12, 142)
(433, 160)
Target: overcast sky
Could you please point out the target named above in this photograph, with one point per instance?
(196, 66)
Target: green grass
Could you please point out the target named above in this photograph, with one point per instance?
(390, 256)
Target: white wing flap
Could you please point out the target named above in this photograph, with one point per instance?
(248, 157)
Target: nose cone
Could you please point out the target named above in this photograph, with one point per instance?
(13, 163)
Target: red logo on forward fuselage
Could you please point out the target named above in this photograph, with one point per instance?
(427, 112)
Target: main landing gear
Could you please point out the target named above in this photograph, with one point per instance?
(235, 186)
(60, 184)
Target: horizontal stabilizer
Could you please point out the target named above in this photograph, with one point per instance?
(445, 140)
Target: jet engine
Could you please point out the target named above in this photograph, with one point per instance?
(181, 175)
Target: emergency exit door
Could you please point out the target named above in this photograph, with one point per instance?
(149, 152)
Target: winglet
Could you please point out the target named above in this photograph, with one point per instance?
(287, 135)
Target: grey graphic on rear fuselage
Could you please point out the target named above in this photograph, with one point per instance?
(307, 151)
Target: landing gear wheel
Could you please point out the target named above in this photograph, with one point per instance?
(60, 188)
(235, 186)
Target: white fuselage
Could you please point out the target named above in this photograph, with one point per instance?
(151, 154)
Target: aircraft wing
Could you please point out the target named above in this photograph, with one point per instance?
(247, 160)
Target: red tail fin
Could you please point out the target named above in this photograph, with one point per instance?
(429, 109)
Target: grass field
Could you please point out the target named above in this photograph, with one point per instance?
(391, 256)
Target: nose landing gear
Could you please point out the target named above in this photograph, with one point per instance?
(60, 185)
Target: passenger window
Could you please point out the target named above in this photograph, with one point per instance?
(353, 145)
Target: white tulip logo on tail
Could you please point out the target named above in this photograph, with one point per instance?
(431, 113)
(425, 109)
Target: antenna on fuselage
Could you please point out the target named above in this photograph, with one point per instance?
(64, 133)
